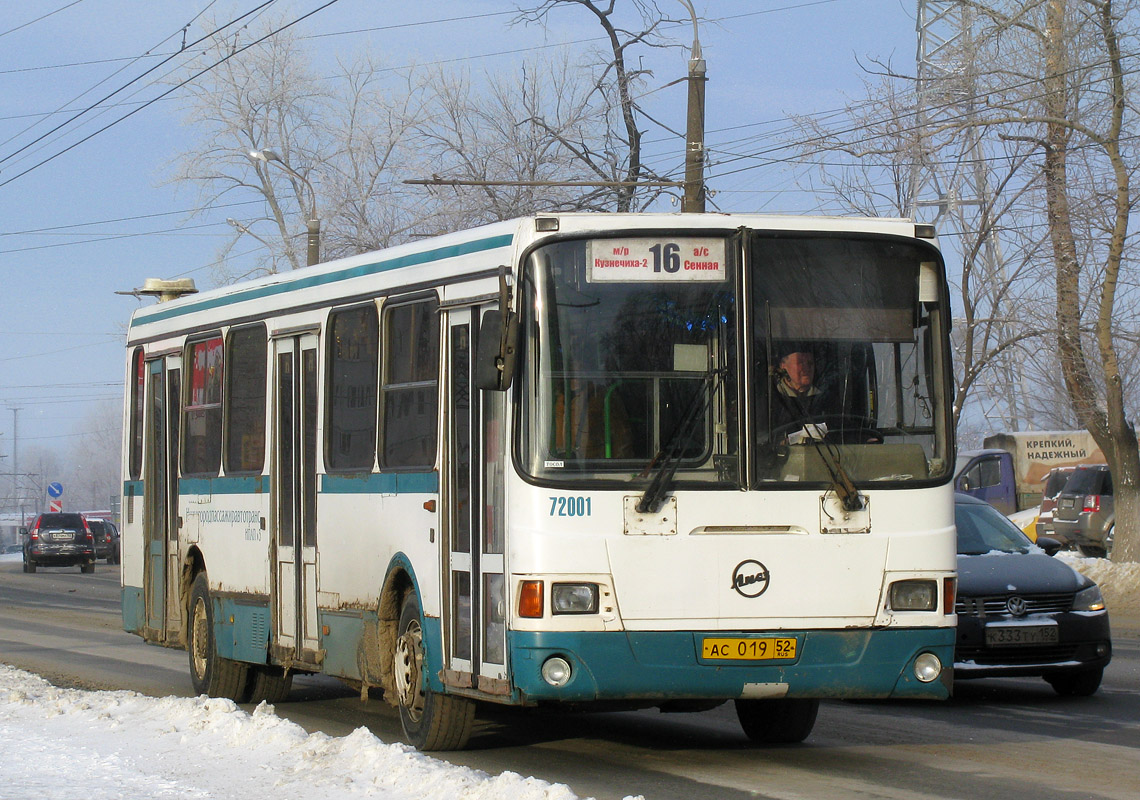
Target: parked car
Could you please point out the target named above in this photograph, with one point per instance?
(59, 539)
(1053, 484)
(1085, 515)
(1021, 612)
(106, 539)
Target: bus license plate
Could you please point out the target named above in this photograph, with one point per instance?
(741, 649)
(1015, 635)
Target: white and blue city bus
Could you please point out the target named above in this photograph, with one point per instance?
(537, 463)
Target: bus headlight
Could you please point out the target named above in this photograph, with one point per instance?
(914, 595)
(927, 667)
(574, 598)
(556, 671)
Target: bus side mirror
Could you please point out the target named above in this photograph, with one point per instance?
(498, 345)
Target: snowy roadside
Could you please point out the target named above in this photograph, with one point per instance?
(1120, 584)
(103, 745)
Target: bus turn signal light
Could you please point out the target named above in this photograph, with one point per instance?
(530, 599)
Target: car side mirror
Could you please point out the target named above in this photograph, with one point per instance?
(1050, 545)
(23, 531)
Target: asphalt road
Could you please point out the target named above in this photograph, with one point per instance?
(1011, 739)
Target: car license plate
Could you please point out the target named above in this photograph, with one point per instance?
(62, 536)
(1016, 635)
(744, 649)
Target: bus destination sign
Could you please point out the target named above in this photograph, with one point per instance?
(656, 260)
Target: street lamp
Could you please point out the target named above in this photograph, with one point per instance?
(694, 199)
(314, 224)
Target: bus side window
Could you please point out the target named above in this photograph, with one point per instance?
(245, 400)
(354, 351)
(411, 384)
(202, 416)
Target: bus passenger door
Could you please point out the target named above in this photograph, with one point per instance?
(295, 498)
(473, 553)
(160, 498)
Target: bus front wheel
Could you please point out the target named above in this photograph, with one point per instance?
(430, 721)
(211, 674)
(780, 721)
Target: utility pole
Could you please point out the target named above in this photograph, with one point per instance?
(694, 199)
(16, 486)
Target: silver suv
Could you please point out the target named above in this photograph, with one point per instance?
(1084, 515)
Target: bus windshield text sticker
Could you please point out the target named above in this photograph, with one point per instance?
(655, 260)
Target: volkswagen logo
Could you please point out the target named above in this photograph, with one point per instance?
(750, 578)
(1017, 606)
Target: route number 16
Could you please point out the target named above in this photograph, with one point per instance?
(667, 257)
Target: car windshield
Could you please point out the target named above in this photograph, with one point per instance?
(983, 529)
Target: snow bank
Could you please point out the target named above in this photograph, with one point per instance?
(1120, 582)
(103, 745)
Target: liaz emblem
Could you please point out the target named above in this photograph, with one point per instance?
(750, 578)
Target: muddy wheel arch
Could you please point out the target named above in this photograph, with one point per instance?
(379, 642)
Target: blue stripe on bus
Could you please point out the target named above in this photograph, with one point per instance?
(131, 603)
(242, 484)
(372, 483)
(259, 292)
(381, 483)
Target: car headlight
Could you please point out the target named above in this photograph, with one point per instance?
(1089, 599)
(574, 598)
(914, 595)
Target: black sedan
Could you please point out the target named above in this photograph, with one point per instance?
(1022, 613)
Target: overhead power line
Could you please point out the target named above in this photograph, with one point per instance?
(134, 80)
(41, 17)
(173, 89)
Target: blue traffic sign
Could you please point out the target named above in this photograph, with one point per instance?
(55, 489)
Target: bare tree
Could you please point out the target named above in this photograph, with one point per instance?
(1051, 105)
(1073, 105)
(517, 137)
(879, 140)
(266, 97)
(619, 160)
(342, 147)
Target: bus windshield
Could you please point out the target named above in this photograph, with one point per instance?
(620, 367)
(638, 358)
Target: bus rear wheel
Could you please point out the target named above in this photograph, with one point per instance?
(430, 721)
(779, 721)
(211, 674)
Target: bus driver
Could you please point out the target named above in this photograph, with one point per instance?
(795, 397)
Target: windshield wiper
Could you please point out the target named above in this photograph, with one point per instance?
(668, 458)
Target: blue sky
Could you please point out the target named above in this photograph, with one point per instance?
(101, 217)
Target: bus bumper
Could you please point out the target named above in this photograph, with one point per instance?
(662, 665)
